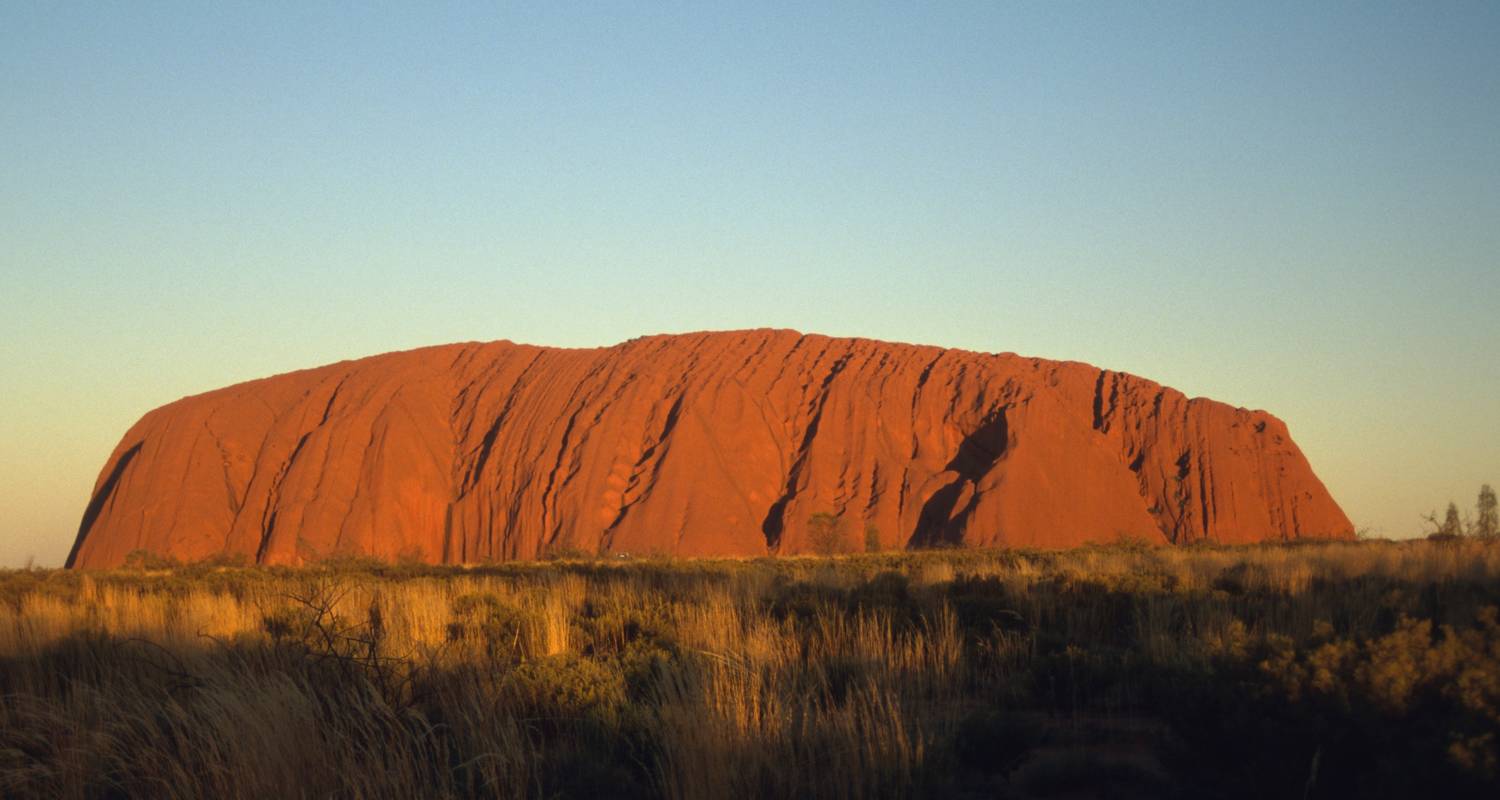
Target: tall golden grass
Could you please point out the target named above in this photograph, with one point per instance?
(882, 675)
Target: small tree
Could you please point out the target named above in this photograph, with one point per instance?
(1488, 523)
(1452, 525)
(825, 532)
(872, 538)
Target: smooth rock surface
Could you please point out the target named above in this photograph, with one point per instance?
(697, 444)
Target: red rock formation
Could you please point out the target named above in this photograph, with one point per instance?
(699, 444)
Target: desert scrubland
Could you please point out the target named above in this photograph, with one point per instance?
(1316, 670)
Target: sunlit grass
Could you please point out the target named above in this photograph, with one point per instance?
(1371, 667)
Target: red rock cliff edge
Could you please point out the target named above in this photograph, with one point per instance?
(696, 444)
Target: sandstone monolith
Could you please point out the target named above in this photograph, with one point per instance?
(722, 443)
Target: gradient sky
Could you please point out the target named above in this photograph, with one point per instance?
(1288, 206)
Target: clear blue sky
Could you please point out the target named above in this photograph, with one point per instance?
(1287, 206)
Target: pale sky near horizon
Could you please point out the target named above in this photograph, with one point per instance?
(1286, 206)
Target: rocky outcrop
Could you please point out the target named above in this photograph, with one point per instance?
(695, 444)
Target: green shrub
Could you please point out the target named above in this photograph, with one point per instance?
(485, 624)
(566, 686)
(826, 534)
(148, 560)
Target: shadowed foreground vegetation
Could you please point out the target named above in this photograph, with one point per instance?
(1325, 670)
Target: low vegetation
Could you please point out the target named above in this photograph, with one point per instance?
(1322, 670)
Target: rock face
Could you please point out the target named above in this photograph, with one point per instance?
(697, 444)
